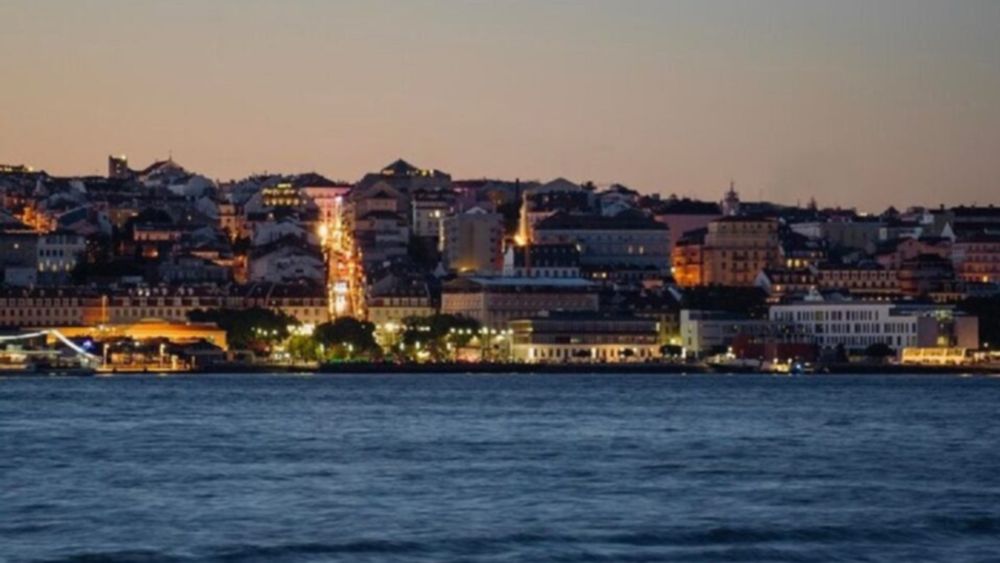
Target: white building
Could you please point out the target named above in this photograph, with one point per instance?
(710, 332)
(60, 251)
(856, 325)
(564, 338)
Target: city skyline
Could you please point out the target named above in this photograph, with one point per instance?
(857, 104)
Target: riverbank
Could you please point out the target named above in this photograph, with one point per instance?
(380, 367)
(627, 368)
(500, 368)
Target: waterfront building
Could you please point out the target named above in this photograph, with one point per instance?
(856, 325)
(394, 298)
(48, 307)
(584, 338)
(493, 301)
(707, 332)
(307, 303)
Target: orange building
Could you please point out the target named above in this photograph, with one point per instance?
(686, 257)
(736, 249)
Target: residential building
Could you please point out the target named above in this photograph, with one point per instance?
(688, 260)
(286, 260)
(684, 215)
(892, 253)
(394, 298)
(736, 249)
(541, 202)
(493, 301)
(18, 257)
(429, 209)
(847, 232)
(59, 252)
(542, 261)
(626, 241)
(473, 242)
(868, 280)
(780, 283)
(977, 257)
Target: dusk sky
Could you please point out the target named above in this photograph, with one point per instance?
(863, 103)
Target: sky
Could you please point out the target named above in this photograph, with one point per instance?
(855, 102)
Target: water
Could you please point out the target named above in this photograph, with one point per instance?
(500, 468)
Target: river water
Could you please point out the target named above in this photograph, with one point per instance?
(500, 468)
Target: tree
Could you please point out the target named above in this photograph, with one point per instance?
(879, 351)
(347, 338)
(255, 328)
(434, 333)
(303, 348)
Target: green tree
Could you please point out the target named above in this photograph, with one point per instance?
(303, 348)
(435, 333)
(255, 328)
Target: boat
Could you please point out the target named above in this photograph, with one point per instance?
(729, 364)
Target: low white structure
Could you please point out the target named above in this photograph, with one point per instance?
(707, 332)
(855, 325)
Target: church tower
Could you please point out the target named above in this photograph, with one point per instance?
(731, 201)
